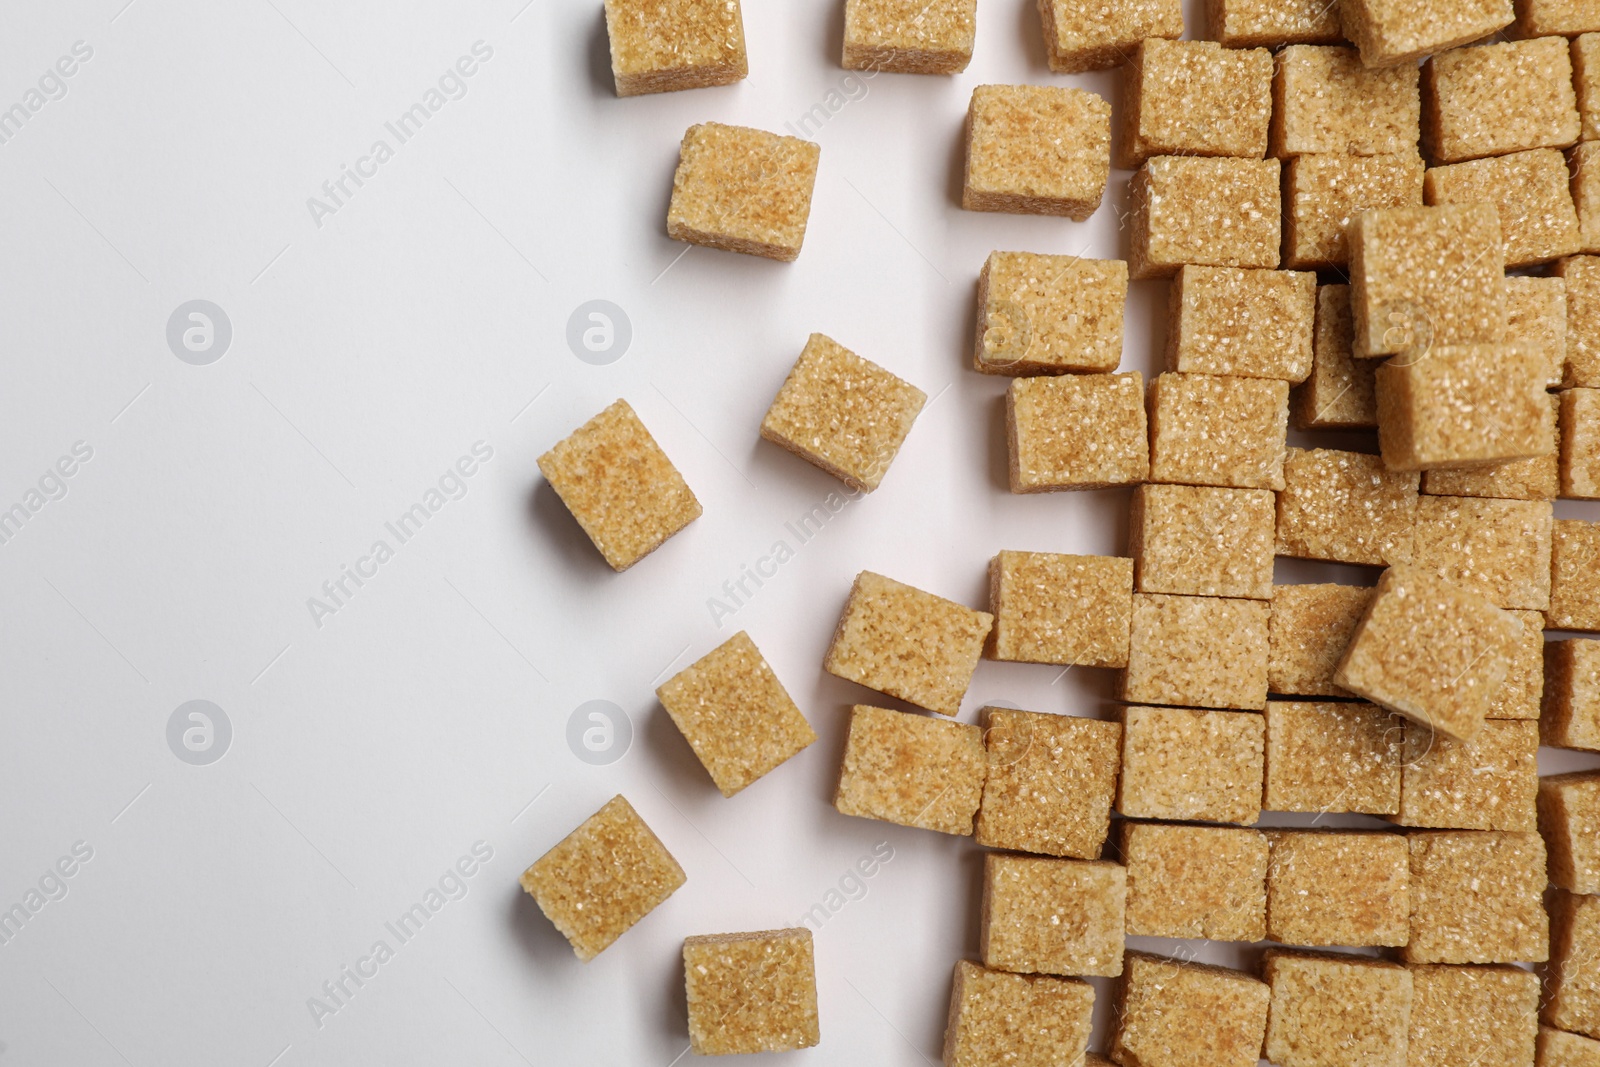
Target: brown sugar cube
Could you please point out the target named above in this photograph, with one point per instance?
(1082, 35)
(1340, 393)
(680, 44)
(1426, 276)
(1345, 507)
(1582, 277)
(1337, 888)
(911, 770)
(1572, 981)
(1531, 190)
(602, 878)
(1177, 1013)
(909, 36)
(1066, 610)
(1202, 541)
(1393, 32)
(1536, 313)
(1430, 650)
(1499, 549)
(1332, 757)
(1333, 1011)
(843, 414)
(743, 190)
(1213, 212)
(1571, 716)
(1203, 766)
(1324, 192)
(1464, 406)
(1586, 82)
(1549, 18)
(1198, 651)
(1580, 444)
(620, 486)
(1584, 161)
(1538, 478)
(1195, 98)
(1557, 1048)
(1195, 881)
(735, 714)
(1249, 323)
(1048, 916)
(1050, 783)
(754, 992)
(1310, 627)
(1574, 576)
(1569, 820)
(1037, 150)
(1049, 314)
(907, 643)
(1272, 23)
(1326, 101)
(1488, 783)
(1485, 1016)
(1025, 1020)
(1211, 429)
(1519, 697)
(1477, 897)
(1077, 431)
(1499, 98)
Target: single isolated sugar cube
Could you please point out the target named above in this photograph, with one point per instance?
(1249, 323)
(1037, 150)
(1499, 549)
(735, 714)
(1049, 916)
(1198, 651)
(1332, 757)
(1272, 23)
(1211, 429)
(907, 643)
(1310, 627)
(1066, 610)
(1213, 212)
(754, 992)
(1041, 314)
(1341, 391)
(1536, 313)
(1430, 650)
(1077, 431)
(1557, 1048)
(1338, 888)
(1329, 1010)
(1549, 18)
(909, 36)
(1464, 406)
(1195, 881)
(1324, 192)
(1519, 697)
(843, 414)
(1569, 820)
(1485, 1016)
(1477, 897)
(620, 486)
(1195, 98)
(1572, 982)
(1175, 1013)
(1580, 444)
(1392, 32)
(1202, 541)
(1345, 507)
(1532, 192)
(680, 44)
(1050, 783)
(602, 878)
(1488, 783)
(1571, 717)
(1538, 478)
(1191, 765)
(1326, 101)
(1582, 277)
(1082, 35)
(1499, 98)
(1574, 576)
(1026, 1020)
(911, 770)
(743, 190)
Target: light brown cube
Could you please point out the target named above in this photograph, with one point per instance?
(1586, 81)
(1248, 323)
(1325, 192)
(1067, 610)
(1571, 716)
(1530, 190)
(1049, 314)
(907, 643)
(1310, 627)
(1477, 897)
(1549, 18)
(1580, 444)
(911, 770)
(681, 44)
(1340, 393)
(1574, 576)
(1049, 916)
(1210, 429)
(602, 878)
(842, 414)
(743, 190)
(1050, 784)
(1333, 1011)
(1394, 32)
(754, 992)
(1583, 161)
(1464, 406)
(1572, 981)
(1488, 783)
(1519, 697)
(1582, 276)
(1569, 821)
(1486, 1016)
(1332, 757)
(1212, 212)
(1191, 765)
(1538, 478)
(1082, 35)
(1272, 23)
(1037, 150)
(1194, 98)
(1205, 652)
(1557, 1048)
(1326, 101)
(1201, 541)
(1499, 549)
(1077, 431)
(1025, 1020)
(1498, 98)
(620, 486)
(1338, 888)
(1536, 313)
(909, 36)
(1177, 1013)
(1195, 881)
(1345, 507)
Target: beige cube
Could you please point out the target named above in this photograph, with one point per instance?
(1195, 881)
(1082, 35)
(1488, 783)
(1037, 150)
(1393, 32)
(1206, 652)
(1332, 1011)
(1536, 313)
(1580, 444)
(1341, 391)
(1548, 18)
(1583, 162)
(1574, 576)
(1586, 81)
(751, 992)
(1066, 610)
(1077, 431)
(1571, 982)
(1345, 507)
(1049, 314)
(1248, 323)
(911, 770)
(1202, 541)
(1582, 277)
(1464, 407)
(1175, 1013)
(1498, 98)
(1538, 478)
(1569, 820)
(1328, 757)
(1194, 98)
(1531, 191)
(743, 190)
(909, 36)
(1212, 212)
(1338, 888)
(1310, 627)
(1557, 1048)
(1487, 1016)
(1051, 780)
(1209, 429)
(1519, 697)
(1499, 549)
(1271, 23)
(1049, 916)
(1477, 897)
(680, 44)
(1027, 1020)
(1323, 193)
(1191, 765)
(1571, 716)
(1326, 101)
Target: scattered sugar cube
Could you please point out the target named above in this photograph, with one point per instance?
(620, 486)
(1211, 429)
(1194, 98)
(1536, 313)
(843, 414)
(1485, 1016)
(1066, 610)
(743, 190)
(909, 36)
(1488, 783)
(1583, 159)
(1340, 393)
(1332, 756)
(1499, 549)
(1048, 916)
(1548, 18)
(1580, 444)
(1538, 478)
(1338, 887)
(1499, 98)
(1582, 277)
(1569, 820)
(1333, 1010)
(1176, 1013)
(1082, 35)
(1191, 765)
(602, 878)
(659, 47)
(1050, 784)
(1207, 652)
(1249, 323)
(1531, 191)
(754, 992)
(1048, 314)
(1326, 101)
(1212, 212)
(1023, 1020)
(1195, 881)
(1271, 23)
(911, 770)
(1345, 507)
(1392, 32)
(1571, 716)
(1557, 1048)
(1324, 192)
(1464, 406)
(907, 643)
(1586, 82)
(1572, 982)
(1077, 431)
(1308, 631)
(1201, 541)
(1477, 897)
(1574, 576)
(1037, 150)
